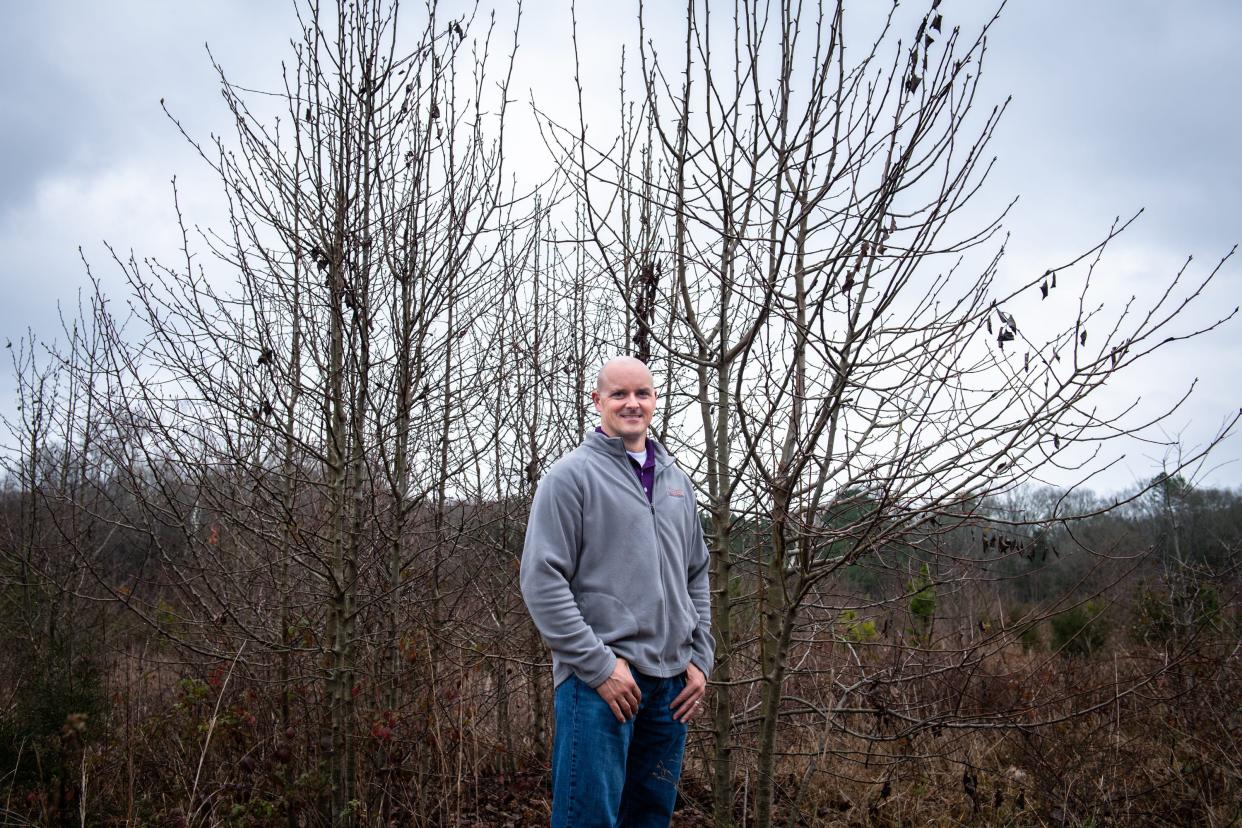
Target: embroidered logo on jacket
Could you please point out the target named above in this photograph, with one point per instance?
(676, 493)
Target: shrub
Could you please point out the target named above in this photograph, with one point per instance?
(1080, 631)
(923, 605)
(1166, 612)
(857, 630)
(1027, 631)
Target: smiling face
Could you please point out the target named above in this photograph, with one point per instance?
(625, 398)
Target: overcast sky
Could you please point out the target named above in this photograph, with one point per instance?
(1117, 105)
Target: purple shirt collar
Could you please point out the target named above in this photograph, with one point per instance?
(645, 472)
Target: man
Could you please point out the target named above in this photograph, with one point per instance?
(614, 573)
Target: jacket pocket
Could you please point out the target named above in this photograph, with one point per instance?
(688, 620)
(610, 619)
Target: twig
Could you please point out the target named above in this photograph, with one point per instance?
(211, 726)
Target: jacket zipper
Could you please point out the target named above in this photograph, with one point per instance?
(655, 540)
(659, 559)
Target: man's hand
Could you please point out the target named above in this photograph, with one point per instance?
(690, 699)
(621, 692)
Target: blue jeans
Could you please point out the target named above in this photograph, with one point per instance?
(610, 773)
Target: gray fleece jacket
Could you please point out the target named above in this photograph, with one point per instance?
(607, 574)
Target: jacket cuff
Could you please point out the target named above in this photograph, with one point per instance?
(594, 678)
(704, 664)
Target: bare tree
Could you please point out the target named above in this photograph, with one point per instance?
(294, 440)
(855, 390)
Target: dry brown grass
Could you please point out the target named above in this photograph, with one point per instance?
(1166, 752)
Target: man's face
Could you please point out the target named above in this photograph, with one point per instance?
(625, 400)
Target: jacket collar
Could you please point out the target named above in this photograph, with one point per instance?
(615, 446)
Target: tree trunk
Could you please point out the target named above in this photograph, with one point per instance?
(779, 613)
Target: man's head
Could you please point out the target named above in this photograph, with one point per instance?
(625, 398)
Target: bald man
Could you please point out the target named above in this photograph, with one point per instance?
(614, 573)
